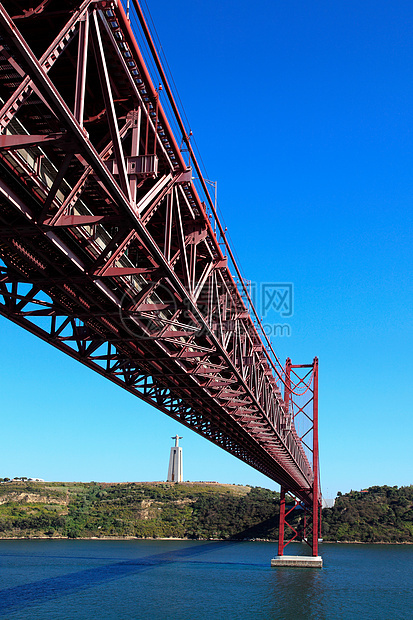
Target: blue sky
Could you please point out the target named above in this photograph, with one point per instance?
(303, 115)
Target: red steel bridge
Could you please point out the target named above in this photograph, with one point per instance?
(111, 249)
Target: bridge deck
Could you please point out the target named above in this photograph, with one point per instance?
(107, 247)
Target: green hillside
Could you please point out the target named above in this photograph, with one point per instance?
(185, 510)
(192, 510)
(377, 514)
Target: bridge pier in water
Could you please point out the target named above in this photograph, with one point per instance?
(300, 561)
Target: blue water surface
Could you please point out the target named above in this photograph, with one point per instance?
(131, 579)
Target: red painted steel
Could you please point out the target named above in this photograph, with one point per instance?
(316, 502)
(108, 250)
(309, 410)
(281, 527)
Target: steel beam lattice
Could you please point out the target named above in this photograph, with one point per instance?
(108, 250)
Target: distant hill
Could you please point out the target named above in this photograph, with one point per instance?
(185, 510)
(195, 510)
(376, 514)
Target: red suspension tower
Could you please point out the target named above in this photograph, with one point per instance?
(301, 403)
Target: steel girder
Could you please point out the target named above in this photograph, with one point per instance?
(108, 251)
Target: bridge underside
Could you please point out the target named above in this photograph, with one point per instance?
(107, 247)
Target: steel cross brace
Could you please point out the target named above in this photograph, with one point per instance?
(186, 262)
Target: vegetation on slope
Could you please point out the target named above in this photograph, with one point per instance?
(192, 510)
(186, 510)
(377, 514)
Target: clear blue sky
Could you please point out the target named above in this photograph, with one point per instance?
(303, 115)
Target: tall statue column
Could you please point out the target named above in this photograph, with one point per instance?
(175, 471)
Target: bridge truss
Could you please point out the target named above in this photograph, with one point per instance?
(107, 246)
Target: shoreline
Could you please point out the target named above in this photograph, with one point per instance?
(274, 541)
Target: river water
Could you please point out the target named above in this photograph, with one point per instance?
(131, 579)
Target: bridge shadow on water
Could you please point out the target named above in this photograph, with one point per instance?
(37, 592)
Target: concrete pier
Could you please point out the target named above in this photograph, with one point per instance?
(300, 561)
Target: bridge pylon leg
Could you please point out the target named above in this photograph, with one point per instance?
(316, 489)
(281, 527)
